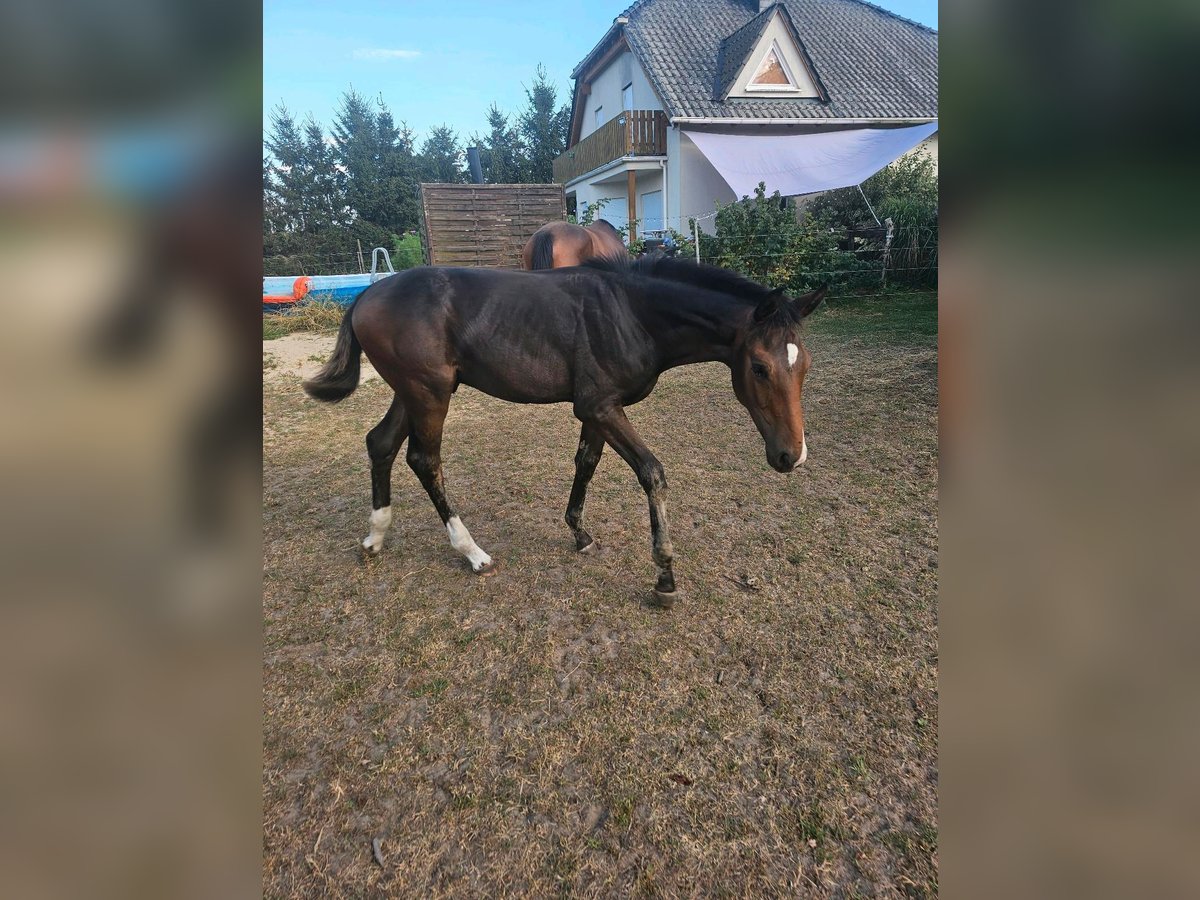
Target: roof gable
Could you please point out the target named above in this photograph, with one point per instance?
(772, 63)
(867, 62)
(735, 50)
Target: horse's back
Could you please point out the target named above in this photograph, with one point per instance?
(507, 333)
(557, 245)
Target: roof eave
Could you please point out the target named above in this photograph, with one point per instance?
(843, 120)
(614, 31)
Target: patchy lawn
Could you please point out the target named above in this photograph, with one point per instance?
(548, 732)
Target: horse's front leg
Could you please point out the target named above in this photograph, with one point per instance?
(425, 459)
(618, 432)
(591, 445)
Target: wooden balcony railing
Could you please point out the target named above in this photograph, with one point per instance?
(638, 132)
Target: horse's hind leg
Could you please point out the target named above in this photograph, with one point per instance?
(428, 415)
(383, 443)
(591, 445)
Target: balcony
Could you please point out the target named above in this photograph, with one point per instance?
(638, 132)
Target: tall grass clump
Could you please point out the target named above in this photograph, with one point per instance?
(308, 315)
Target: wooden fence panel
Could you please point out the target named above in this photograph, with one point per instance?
(485, 225)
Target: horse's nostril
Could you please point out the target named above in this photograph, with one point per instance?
(786, 460)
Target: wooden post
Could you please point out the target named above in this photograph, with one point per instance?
(632, 181)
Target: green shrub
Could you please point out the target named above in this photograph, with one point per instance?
(761, 238)
(407, 251)
(907, 193)
(590, 212)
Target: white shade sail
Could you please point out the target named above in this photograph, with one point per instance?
(806, 163)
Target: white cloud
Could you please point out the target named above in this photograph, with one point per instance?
(382, 53)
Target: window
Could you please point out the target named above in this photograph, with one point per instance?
(772, 73)
(652, 213)
(627, 97)
(599, 116)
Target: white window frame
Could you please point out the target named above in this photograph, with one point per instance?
(599, 120)
(627, 103)
(793, 88)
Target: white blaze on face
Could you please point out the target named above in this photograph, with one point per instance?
(803, 450)
(381, 520)
(460, 540)
(793, 354)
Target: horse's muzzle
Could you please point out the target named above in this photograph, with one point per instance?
(786, 461)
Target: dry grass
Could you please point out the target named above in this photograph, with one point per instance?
(546, 732)
(310, 315)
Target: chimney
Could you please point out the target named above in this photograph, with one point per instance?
(473, 163)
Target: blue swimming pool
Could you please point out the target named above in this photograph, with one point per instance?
(338, 288)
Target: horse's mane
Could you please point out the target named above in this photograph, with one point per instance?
(684, 271)
(699, 275)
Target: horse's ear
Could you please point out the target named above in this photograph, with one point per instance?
(769, 305)
(807, 303)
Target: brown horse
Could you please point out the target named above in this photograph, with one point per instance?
(597, 336)
(559, 244)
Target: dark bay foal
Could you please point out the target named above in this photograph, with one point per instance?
(596, 336)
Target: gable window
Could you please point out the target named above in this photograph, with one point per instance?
(773, 73)
(599, 116)
(627, 97)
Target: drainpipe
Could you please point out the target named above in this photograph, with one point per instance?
(666, 206)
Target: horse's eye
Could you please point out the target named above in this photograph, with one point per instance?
(759, 370)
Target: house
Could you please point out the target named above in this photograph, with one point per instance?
(686, 103)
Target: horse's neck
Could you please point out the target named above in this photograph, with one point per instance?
(691, 326)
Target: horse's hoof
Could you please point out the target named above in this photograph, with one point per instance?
(590, 548)
(371, 549)
(487, 569)
(665, 599)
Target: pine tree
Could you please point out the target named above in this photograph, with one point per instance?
(356, 141)
(399, 170)
(285, 144)
(442, 157)
(324, 184)
(542, 128)
(305, 194)
(501, 154)
(273, 219)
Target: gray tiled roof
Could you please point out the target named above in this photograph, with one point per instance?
(734, 49)
(872, 63)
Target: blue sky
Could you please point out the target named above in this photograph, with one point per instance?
(437, 62)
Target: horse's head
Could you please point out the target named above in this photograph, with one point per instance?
(769, 366)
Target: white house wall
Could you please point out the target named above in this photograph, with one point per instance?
(616, 192)
(701, 186)
(606, 92)
(673, 180)
(615, 211)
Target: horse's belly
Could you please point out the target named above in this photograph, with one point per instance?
(531, 382)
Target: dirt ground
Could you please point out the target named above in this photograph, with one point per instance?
(548, 732)
(293, 357)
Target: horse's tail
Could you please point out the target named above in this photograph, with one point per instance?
(543, 250)
(338, 379)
